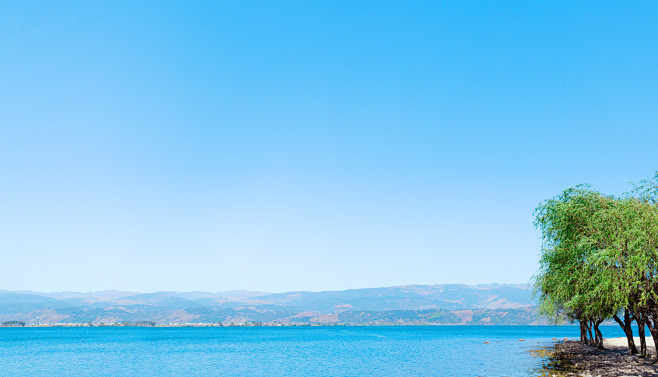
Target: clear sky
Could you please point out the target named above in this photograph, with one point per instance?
(309, 145)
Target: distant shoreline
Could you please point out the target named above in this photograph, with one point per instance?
(277, 325)
(441, 304)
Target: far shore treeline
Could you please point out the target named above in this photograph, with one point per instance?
(600, 260)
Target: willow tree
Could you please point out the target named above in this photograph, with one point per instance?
(600, 260)
(633, 254)
(643, 272)
(621, 260)
(566, 282)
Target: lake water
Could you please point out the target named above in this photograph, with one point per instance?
(278, 351)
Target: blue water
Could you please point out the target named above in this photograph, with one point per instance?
(278, 351)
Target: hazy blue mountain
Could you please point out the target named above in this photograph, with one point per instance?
(412, 297)
(412, 304)
(21, 302)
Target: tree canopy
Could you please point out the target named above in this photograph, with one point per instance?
(599, 259)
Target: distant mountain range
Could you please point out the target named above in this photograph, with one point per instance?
(454, 304)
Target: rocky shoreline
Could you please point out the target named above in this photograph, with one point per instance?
(571, 358)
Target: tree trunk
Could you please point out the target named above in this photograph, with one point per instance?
(654, 332)
(583, 332)
(628, 330)
(652, 321)
(597, 333)
(641, 324)
(588, 324)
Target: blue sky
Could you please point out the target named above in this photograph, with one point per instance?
(305, 145)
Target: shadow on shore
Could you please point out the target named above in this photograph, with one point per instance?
(571, 358)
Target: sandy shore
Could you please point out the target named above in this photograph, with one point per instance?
(621, 344)
(570, 358)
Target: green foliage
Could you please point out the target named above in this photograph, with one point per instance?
(599, 253)
(12, 324)
(567, 279)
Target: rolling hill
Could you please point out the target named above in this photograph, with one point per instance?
(448, 304)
